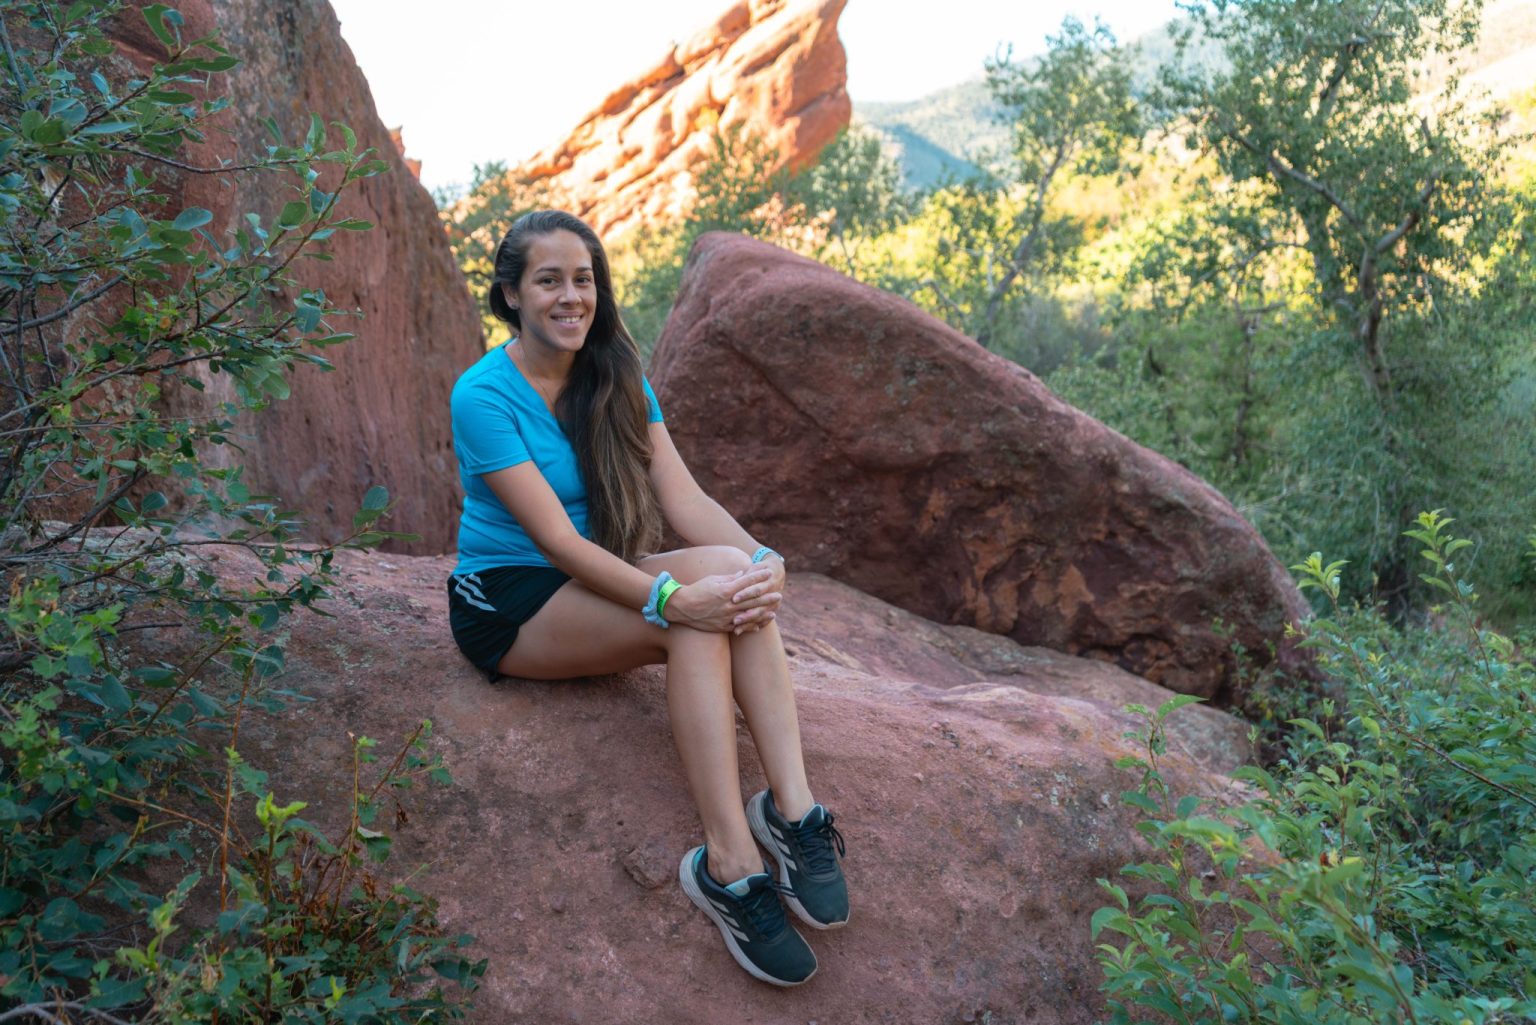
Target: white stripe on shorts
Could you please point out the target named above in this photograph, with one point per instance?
(476, 599)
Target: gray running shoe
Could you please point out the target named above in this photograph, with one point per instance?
(750, 917)
(807, 853)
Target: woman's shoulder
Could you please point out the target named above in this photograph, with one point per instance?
(482, 372)
(484, 381)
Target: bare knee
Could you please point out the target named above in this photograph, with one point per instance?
(707, 561)
(686, 642)
(765, 638)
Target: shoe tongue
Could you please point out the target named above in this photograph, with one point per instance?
(815, 817)
(742, 885)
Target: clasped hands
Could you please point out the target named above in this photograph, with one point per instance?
(738, 603)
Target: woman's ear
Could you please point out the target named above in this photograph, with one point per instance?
(509, 294)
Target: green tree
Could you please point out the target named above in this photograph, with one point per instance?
(1316, 101)
(1209, 310)
(851, 194)
(1072, 113)
(826, 210)
(475, 222)
(1313, 113)
(1380, 872)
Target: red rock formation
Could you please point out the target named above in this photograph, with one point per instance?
(869, 441)
(397, 136)
(979, 808)
(381, 417)
(774, 68)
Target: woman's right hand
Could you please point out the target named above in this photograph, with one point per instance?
(706, 604)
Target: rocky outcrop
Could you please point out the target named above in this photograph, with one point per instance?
(773, 68)
(397, 136)
(381, 417)
(973, 779)
(871, 442)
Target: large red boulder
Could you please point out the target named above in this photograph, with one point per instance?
(770, 69)
(869, 441)
(381, 417)
(979, 805)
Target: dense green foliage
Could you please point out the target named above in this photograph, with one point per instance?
(828, 210)
(127, 662)
(1091, 133)
(1364, 215)
(1383, 870)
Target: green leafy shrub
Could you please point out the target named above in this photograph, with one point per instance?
(119, 770)
(1383, 872)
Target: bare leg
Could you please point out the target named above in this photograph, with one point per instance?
(704, 726)
(581, 633)
(759, 681)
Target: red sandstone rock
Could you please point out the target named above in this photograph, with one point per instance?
(397, 136)
(382, 416)
(869, 441)
(979, 809)
(774, 68)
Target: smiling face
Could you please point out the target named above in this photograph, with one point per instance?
(556, 299)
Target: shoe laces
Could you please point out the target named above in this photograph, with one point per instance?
(762, 909)
(817, 843)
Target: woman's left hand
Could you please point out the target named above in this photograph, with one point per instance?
(759, 601)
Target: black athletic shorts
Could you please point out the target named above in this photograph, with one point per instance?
(486, 609)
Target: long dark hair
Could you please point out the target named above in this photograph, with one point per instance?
(603, 409)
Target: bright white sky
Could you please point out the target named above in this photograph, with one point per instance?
(472, 81)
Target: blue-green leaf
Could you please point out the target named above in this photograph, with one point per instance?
(293, 214)
(192, 217)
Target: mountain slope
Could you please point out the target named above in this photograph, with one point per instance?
(946, 133)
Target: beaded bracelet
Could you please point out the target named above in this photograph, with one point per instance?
(660, 592)
(763, 553)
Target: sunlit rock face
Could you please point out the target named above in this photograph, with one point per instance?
(974, 779)
(381, 416)
(870, 441)
(773, 68)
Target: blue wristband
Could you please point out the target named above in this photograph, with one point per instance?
(763, 553)
(649, 612)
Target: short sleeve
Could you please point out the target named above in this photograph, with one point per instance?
(485, 432)
(650, 400)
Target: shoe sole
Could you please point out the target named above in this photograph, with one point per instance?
(691, 888)
(759, 823)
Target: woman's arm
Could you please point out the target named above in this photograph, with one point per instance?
(704, 604)
(537, 509)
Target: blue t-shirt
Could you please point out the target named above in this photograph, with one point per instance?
(499, 420)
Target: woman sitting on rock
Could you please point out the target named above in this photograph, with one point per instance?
(567, 470)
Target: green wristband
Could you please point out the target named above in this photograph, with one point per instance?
(666, 592)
